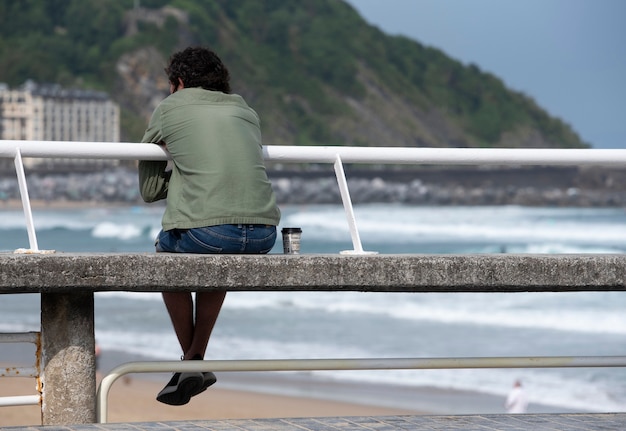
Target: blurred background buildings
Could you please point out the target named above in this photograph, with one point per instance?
(49, 112)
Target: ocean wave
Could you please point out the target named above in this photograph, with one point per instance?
(99, 231)
(382, 227)
(131, 296)
(546, 388)
(574, 312)
(113, 230)
(509, 224)
(15, 220)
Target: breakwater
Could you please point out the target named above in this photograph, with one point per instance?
(527, 186)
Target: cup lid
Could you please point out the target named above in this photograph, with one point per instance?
(291, 230)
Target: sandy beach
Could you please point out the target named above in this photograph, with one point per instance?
(234, 396)
(243, 395)
(134, 401)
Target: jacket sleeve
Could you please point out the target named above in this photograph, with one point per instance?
(153, 180)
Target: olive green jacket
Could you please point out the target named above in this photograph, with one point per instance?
(218, 175)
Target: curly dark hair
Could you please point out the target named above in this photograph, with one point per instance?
(198, 67)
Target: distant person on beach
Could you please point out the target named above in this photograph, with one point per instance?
(516, 402)
(219, 198)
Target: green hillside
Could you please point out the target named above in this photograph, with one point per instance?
(314, 70)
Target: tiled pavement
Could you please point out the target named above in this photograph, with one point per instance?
(527, 422)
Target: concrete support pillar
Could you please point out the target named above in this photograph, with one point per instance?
(68, 355)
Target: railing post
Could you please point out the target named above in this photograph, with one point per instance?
(347, 205)
(68, 355)
(21, 180)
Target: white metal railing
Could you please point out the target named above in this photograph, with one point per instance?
(325, 154)
(308, 154)
(344, 364)
(21, 337)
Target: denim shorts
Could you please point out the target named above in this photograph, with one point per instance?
(225, 238)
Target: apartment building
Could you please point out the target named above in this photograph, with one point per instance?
(49, 112)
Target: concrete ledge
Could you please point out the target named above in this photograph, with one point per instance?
(151, 272)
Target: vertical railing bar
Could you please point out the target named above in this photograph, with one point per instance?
(21, 180)
(347, 205)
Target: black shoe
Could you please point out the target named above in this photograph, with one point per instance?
(208, 378)
(181, 388)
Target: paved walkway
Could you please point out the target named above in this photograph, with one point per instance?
(528, 422)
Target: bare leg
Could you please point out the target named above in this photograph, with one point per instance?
(208, 306)
(193, 338)
(180, 308)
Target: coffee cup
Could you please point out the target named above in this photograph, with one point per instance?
(291, 240)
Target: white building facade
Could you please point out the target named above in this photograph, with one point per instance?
(49, 112)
